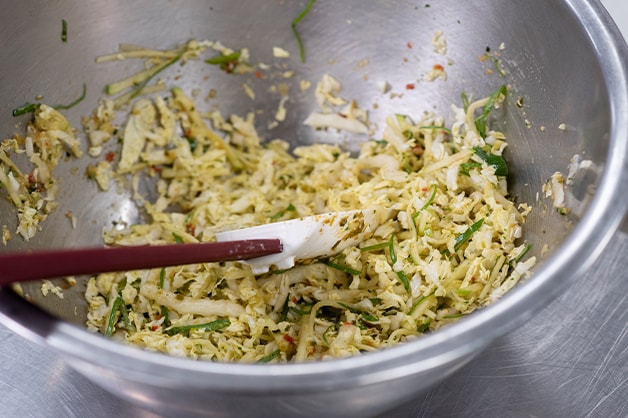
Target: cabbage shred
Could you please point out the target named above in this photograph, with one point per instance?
(451, 246)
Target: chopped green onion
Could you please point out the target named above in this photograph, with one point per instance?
(284, 310)
(463, 292)
(452, 316)
(464, 237)
(418, 302)
(122, 285)
(325, 341)
(125, 317)
(391, 249)
(442, 128)
(295, 22)
(481, 121)
(427, 204)
(281, 271)
(227, 62)
(465, 168)
(421, 328)
(164, 309)
(365, 315)
(496, 64)
(27, 108)
(216, 325)
(177, 238)
(523, 253)
(282, 212)
(379, 141)
(138, 89)
(73, 103)
(139, 80)
(224, 59)
(465, 101)
(340, 267)
(64, 30)
(113, 316)
(497, 161)
(269, 357)
(299, 311)
(404, 280)
(390, 244)
(375, 247)
(162, 277)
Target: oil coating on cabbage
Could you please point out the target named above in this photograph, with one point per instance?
(451, 246)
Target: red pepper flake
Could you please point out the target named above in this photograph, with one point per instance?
(438, 67)
(258, 74)
(347, 323)
(424, 189)
(410, 86)
(154, 328)
(156, 168)
(405, 59)
(409, 45)
(110, 156)
(288, 338)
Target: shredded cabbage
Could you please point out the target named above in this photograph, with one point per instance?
(452, 245)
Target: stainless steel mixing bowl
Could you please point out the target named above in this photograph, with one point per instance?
(564, 60)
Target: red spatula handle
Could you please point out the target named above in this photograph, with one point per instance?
(47, 264)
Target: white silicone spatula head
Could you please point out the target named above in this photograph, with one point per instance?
(310, 237)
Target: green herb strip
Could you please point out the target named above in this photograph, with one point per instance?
(125, 317)
(497, 161)
(523, 253)
(270, 357)
(342, 268)
(421, 328)
(365, 315)
(31, 107)
(216, 325)
(481, 121)
(138, 89)
(403, 278)
(224, 59)
(440, 128)
(64, 31)
(27, 108)
(295, 22)
(329, 328)
(281, 213)
(452, 316)
(390, 245)
(73, 103)
(177, 238)
(113, 316)
(418, 302)
(164, 309)
(427, 204)
(466, 235)
(284, 310)
(465, 168)
(465, 101)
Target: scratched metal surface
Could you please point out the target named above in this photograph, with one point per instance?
(571, 360)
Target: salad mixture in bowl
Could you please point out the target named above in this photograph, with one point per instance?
(450, 242)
